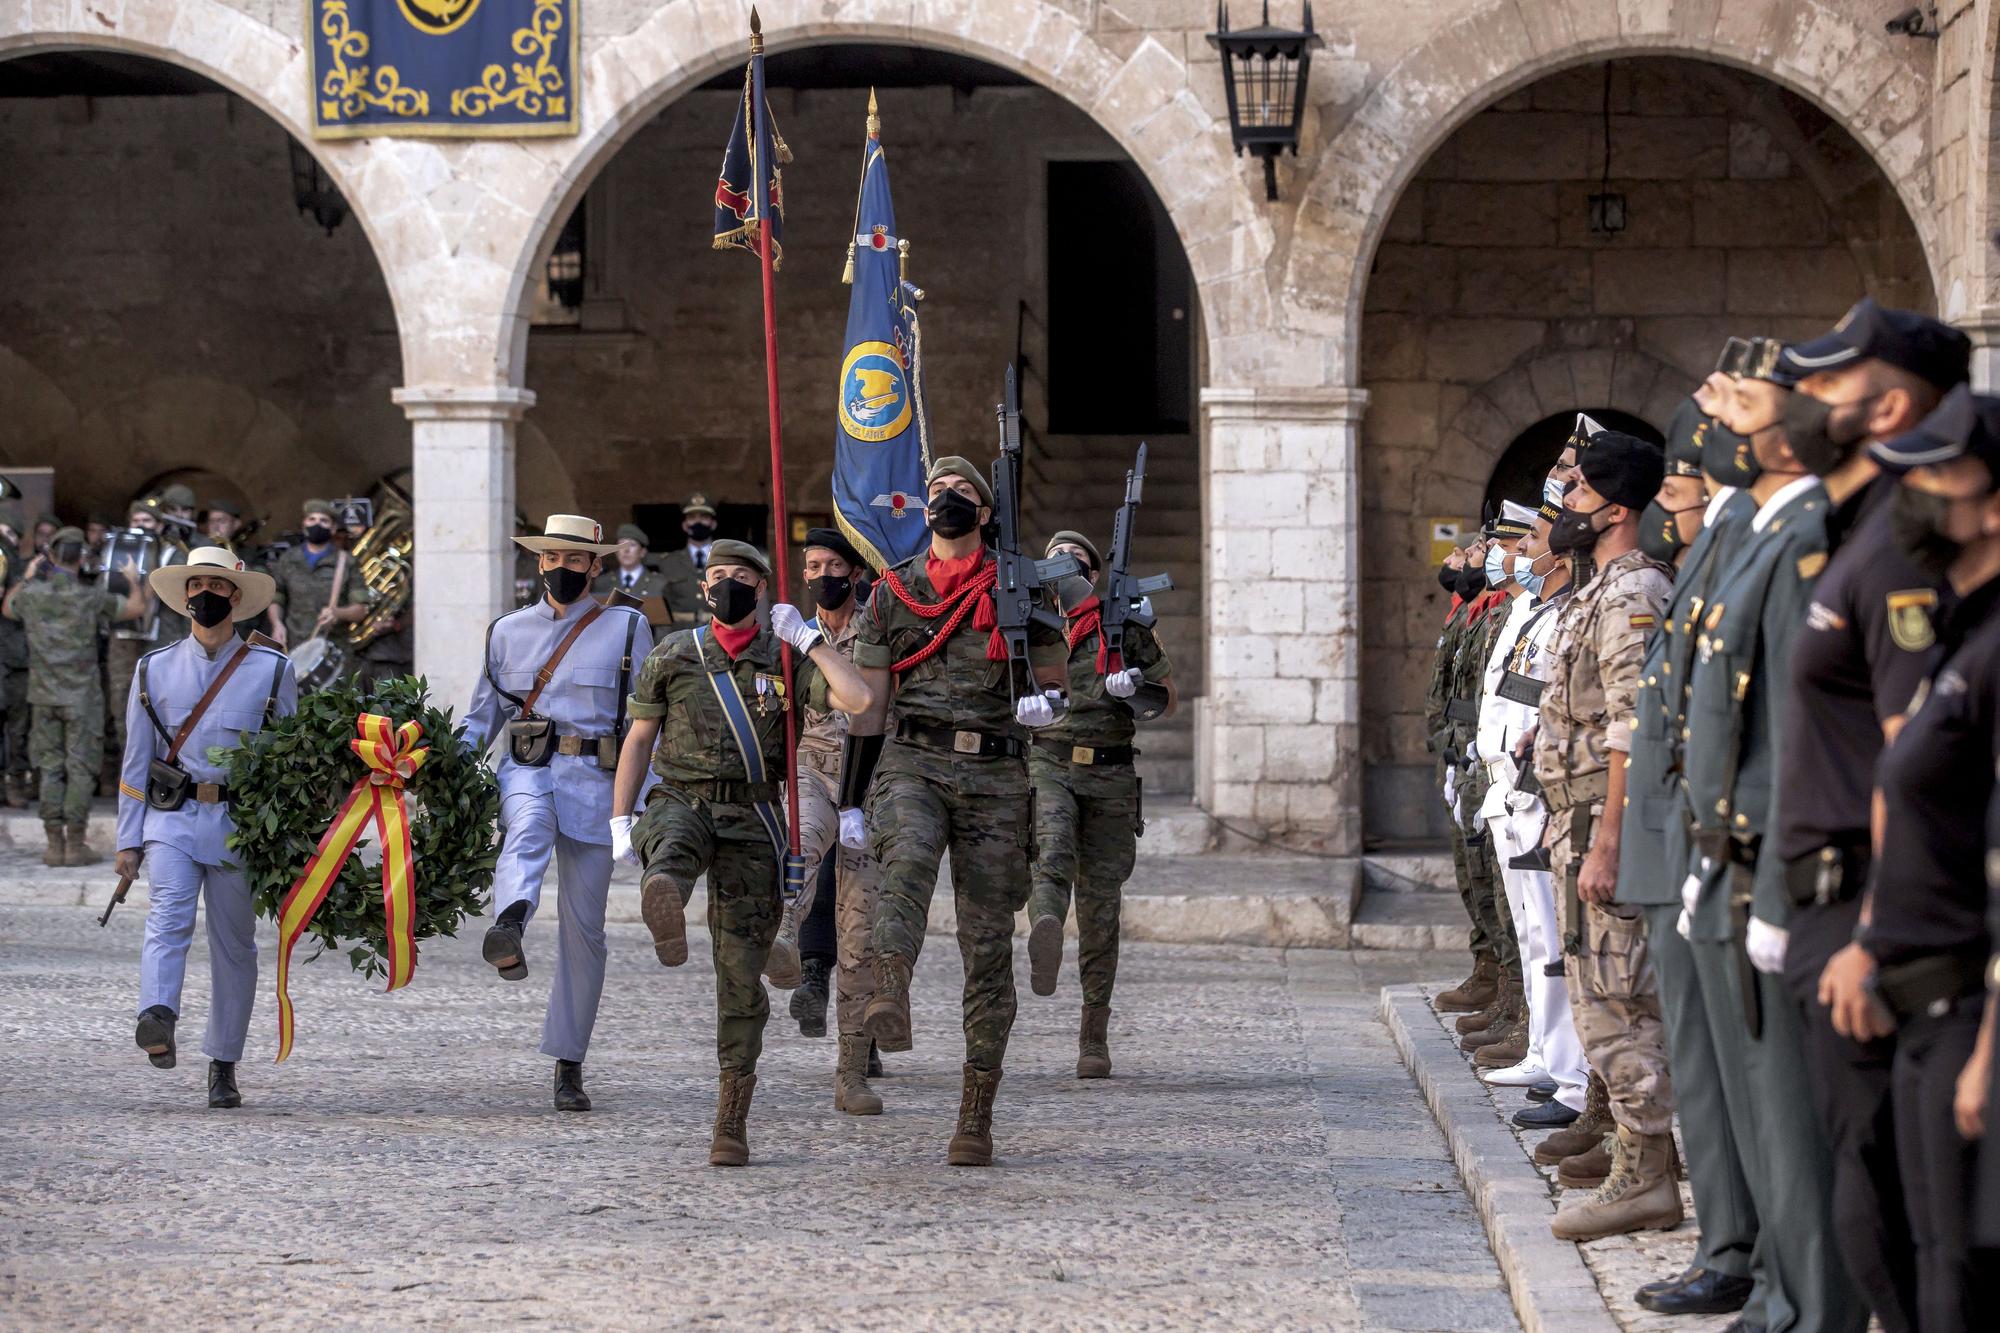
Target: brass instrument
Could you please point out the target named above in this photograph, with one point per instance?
(381, 557)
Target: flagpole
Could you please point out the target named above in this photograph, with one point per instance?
(780, 556)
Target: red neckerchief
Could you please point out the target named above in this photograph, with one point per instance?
(733, 641)
(948, 576)
(1085, 620)
(965, 587)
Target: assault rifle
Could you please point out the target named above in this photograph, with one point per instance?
(1021, 579)
(1125, 594)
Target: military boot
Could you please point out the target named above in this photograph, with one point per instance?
(1474, 993)
(1639, 1194)
(1044, 954)
(57, 854)
(875, 1060)
(665, 915)
(1494, 1018)
(1512, 1015)
(1587, 1170)
(972, 1144)
(16, 789)
(1507, 1052)
(851, 1092)
(781, 964)
(1585, 1132)
(222, 1093)
(1093, 1043)
(79, 852)
(888, 1017)
(1485, 1017)
(569, 1093)
(809, 1000)
(731, 1144)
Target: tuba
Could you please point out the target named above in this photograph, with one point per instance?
(382, 560)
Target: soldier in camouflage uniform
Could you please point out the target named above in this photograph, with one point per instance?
(1087, 806)
(307, 603)
(64, 618)
(1483, 986)
(14, 686)
(1581, 744)
(712, 812)
(951, 776)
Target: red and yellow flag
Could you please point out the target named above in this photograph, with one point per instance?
(392, 758)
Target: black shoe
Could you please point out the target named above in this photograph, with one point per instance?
(874, 1059)
(155, 1036)
(570, 1095)
(1742, 1326)
(503, 949)
(1541, 1092)
(1549, 1115)
(1697, 1291)
(809, 998)
(222, 1093)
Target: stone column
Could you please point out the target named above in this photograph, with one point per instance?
(462, 483)
(1982, 325)
(1279, 741)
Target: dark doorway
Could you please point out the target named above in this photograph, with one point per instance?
(1519, 473)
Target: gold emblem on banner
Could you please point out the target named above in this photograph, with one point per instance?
(437, 17)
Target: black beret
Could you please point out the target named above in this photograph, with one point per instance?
(834, 540)
(1931, 350)
(1624, 469)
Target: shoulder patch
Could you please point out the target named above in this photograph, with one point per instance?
(1644, 622)
(1809, 566)
(1824, 618)
(1910, 619)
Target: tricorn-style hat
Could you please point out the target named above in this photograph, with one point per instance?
(569, 532)
(170, 582)
(1684, 434)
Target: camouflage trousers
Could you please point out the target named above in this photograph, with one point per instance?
(121, 663)
(15, 728)
(66, 742)
(922, 803)
(1086, 836)
(857, 883)
(683, 838)
(1614, 994)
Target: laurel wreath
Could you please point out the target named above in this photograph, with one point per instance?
(287, 782)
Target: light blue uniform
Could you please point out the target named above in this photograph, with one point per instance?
(185, 856)
(563, 809)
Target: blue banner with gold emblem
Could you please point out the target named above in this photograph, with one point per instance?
(449, 68)
(881, 447)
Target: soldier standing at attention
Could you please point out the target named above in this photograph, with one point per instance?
(14, 686)
(1482, 987)
(632, 572)
(952, 776)
(685, 570)
(1581, 743)
(553, 690)
(713, 697)
(64, 618)
(1088, 815)
(315, 583)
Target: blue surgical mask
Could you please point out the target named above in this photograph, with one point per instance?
(1496, 566)
(1553, 491)
(1525, 575)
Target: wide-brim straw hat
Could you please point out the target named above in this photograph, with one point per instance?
(569, 532)
(170, 582)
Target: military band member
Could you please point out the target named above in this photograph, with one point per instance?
(317, 588)
(632, 572)
(65, 619)
(552, 691)
(951, 776)
(1088, 813)
(686, 570)
(713, 698)
(203, 693)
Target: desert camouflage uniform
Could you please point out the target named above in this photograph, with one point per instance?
(64, 619)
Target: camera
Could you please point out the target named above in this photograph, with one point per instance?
(1912, 22)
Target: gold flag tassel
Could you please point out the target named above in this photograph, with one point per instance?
(874, 128)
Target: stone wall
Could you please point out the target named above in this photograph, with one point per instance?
(1492, 305)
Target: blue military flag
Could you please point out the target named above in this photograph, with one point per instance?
(881, 449)
(753, 154)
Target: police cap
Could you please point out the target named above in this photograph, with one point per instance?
(1931, 350)
(1965, 423)
(1624, 469)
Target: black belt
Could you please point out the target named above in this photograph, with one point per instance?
(1462, 710)
(982, 744)
(1088, 756)
(1827, 876)
(1931, 985)
(1727, 849)
(727, 792)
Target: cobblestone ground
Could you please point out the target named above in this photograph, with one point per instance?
(1262, 1158)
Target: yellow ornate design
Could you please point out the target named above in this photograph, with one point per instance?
(537, 89)
(346, 90)
(434, 18)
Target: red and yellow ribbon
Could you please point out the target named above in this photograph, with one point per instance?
(392, 758)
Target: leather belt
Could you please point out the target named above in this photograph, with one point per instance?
(211, 793)
(1088, 756)
(725, 791)
(1930, 986)
(598, 747)
(981, 744)
(1562, 794)
(1827, 876)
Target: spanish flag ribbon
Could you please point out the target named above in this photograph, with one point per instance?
(392, 757)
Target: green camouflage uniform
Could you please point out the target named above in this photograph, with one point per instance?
(1087, 815)
(303, 591)
(926, 799)
(64, 618)
(702, 816)
(1468, 678)
(1437, 733)
(14, 672)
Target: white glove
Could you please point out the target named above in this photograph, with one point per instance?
(1124, 684)
(1766, 946)
(789, 625)
(1143, 608)
(1451, 789)
(853, 829)
(1691, 888)
(1521, 802)
(1034, 711)
(621, 839)
(1684, 926)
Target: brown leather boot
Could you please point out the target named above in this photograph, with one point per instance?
(665, 915)
(1639, 1194)
(1093, 1043)
(851, 1092)
(56, 854)
(1475, 992)
(1485, 1017)
(1506, 1053)
(887, 1019)
(1512, 1015)
(1587, 1170)
(972, 1145)
(1584, 1132)
(730, 1145)
(79, 852)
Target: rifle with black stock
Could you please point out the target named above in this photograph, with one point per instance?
(1125, 594)
(1017, 592)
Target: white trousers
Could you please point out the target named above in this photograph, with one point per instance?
(175, 883)
(583, 874)
(1552, 1040)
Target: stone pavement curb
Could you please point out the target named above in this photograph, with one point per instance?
(1553, 1290)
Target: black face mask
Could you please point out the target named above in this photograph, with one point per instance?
(1728, 457)
(1809, 428)
(951, 515)
(1917, 522)
(731, 601)
(1447, 578)
(565, 585)
(700, 532)
(831, 591)
(1660, 531)
(1573, 532)
(317, 535)
(208, 609)
(1471, 582)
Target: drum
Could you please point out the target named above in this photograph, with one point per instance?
(136, 544)
(318, 663)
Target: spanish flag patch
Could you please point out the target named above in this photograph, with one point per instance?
(1644, 622)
